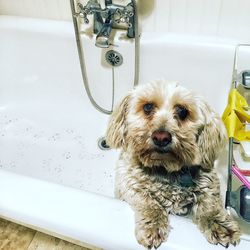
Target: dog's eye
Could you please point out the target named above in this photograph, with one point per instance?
(148, 107)
(182, 112)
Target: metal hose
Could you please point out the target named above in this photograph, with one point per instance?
(82, 61)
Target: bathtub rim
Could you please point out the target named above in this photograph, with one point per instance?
(119, 213)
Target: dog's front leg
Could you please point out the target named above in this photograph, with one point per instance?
(211, 217)
(151, 222)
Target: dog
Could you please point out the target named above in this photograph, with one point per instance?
(169, 139)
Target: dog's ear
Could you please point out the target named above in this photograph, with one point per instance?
(117, 127)
(212, 137)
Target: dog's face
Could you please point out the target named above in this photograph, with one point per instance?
(163, 124)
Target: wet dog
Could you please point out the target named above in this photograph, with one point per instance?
(169, 139)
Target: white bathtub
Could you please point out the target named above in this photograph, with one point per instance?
(53, 176)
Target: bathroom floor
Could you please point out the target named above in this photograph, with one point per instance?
(14, 236)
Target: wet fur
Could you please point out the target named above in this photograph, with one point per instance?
(148, 180)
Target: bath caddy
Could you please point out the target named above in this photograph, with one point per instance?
(236, 117)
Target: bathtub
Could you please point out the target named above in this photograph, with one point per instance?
(53, 175)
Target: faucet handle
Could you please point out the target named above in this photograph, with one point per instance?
(85, 19)
(118, 15)
(84, 12)
(83, 15)
(129, 10)
(124, 15)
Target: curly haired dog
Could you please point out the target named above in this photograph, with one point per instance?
(170, 139)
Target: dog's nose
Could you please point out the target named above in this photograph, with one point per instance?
(161, 138)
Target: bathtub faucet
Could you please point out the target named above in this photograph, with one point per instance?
(105, 19)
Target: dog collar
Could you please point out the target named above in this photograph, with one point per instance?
(186, 177)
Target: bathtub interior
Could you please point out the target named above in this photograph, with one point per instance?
(45, 113)
(48, 128)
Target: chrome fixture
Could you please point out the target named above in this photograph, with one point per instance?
(114, 58)
(105, 19)
(102, 144)
(244, 78)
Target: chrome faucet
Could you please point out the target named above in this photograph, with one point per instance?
(105, 19)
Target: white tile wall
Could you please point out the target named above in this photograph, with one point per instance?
(51, 9)
(224, 18)
(210, 17)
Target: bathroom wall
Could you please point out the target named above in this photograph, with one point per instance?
(51, 9)
(222, 18)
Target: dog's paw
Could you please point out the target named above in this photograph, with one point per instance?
(151, 237)
(223, 232)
